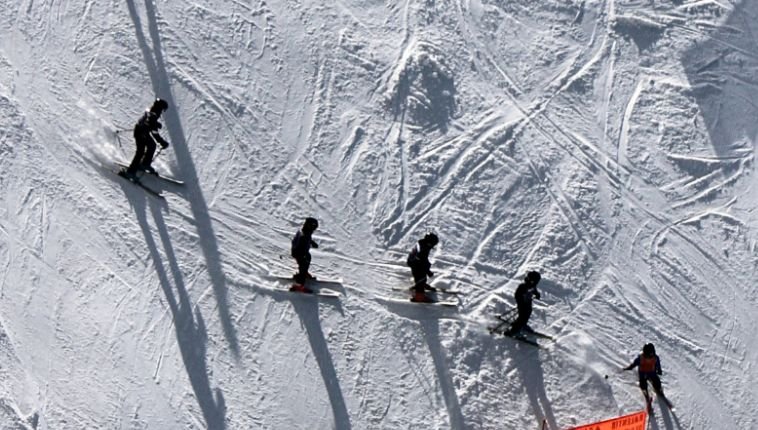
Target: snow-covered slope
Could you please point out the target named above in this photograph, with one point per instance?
(609, 145)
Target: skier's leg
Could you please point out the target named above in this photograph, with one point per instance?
(419, 285)
(139, 153)
(643, 387)
(524, 312)
(303, 264)
(147, 160)
(656, 381)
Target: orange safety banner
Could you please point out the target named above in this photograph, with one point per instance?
(635, 421)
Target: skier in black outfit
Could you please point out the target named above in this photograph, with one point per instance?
(418, 260)
(524, 295)
(145, 137)
(301, 247)
(649, 369)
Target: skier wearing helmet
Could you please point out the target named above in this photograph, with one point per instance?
(649, 369)
(301, 252)
(145, 137)
(418, 261)
(525, 293)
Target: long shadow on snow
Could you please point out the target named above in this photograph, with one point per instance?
(666, 415)
(722, 74)
(429, 319)
(306, 308)
(534, 382)
(432, 336)
(161, 86)
(191, 334)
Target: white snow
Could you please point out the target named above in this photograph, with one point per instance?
(610, 145)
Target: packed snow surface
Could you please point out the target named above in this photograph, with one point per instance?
(608, 144)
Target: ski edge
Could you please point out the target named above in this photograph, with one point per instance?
(155, 175)
(440, 303)
(138, 183)
(289, 278)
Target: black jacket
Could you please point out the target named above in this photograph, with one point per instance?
(147, 126)
(525, 293)
(418, 258)
(301, 244)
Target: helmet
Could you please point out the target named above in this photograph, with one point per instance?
(532, 277)
(159, 105)
(648, 349)
(431, 239)
(310, 224)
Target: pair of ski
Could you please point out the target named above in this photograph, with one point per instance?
(444, 303)
(138, 182)
(319, 292)
(507, 319)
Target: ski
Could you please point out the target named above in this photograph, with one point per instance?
(156, 174)
(498, 330)
(435, 290)
(325, 293)
(442, 303)
(667, 402)
(523, 339)
(318, 281)
(138, 183)
(542, 335)
(317, 293)
(503, 326)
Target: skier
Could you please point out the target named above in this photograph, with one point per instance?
(301, 247)
(524, 295)
(145, 137)
(418, 260)
(649, 369)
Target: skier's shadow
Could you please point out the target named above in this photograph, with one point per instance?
(429, 318)
(529, 367)
(307, 310)
(431, 328)
(191, 334)
(670, 421)
(159, 76)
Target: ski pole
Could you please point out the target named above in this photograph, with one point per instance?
(155, 157)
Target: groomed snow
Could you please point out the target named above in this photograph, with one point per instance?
(610, 145)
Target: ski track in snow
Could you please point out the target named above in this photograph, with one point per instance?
(609, 145)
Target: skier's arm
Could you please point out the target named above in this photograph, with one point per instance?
(314, 244)
(159, 139)
(634, 364)
(658, 369)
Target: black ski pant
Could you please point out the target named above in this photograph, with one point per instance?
(524, 312)
(419, 278)
(654, 380)
(303, 264)
(143, 156)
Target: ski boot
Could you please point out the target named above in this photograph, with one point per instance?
(421, 297)
(300, 288)
(148, 169)
(126, 174)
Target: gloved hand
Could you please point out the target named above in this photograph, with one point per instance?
(537, 295)
(314, 245)
(430, 274)
(659, 372)
(158, 124)
(164, 145)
